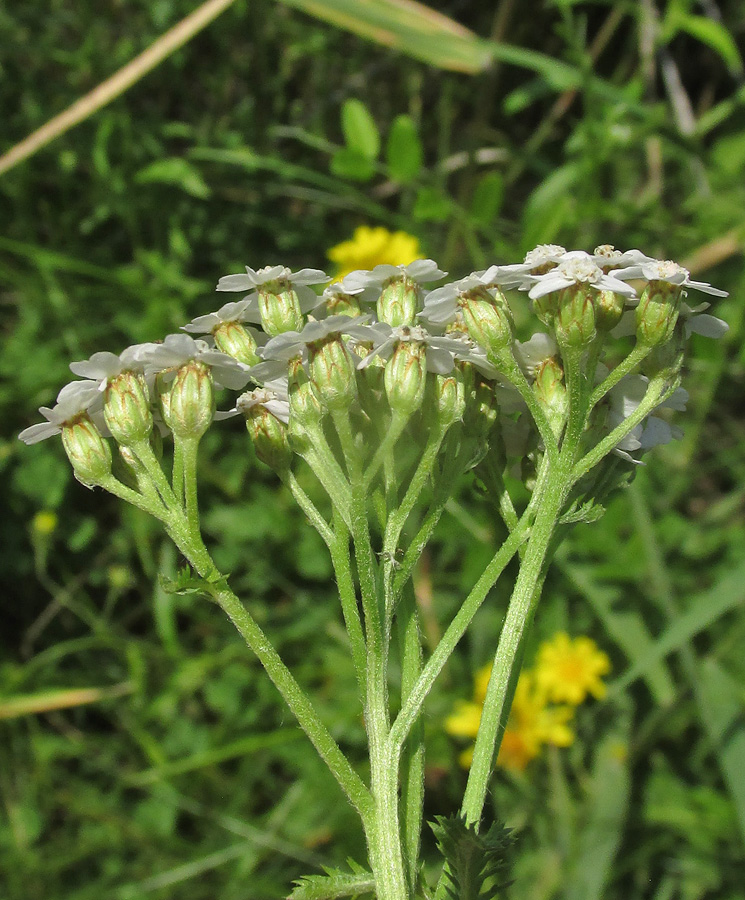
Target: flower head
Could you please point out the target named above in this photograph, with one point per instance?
(370, 247)
(103, 367)
(75, 400)
(578, 268)
(178, 349)
(420, 271)
(246, 310)
(668, 272)
(568, 669)
(256, 278)
(532, 723)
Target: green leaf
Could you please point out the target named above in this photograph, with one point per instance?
(177, 171)
(549, 206)
(705, 609)
(334, 884)
(351, 164)
(711, 33)
(431, 205)
(487, 199)
(433, 38)
(724, 711)
(607, 805)
(403, 151)
(477, 866)
(360, 131)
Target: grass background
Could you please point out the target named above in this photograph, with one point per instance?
(187, 779)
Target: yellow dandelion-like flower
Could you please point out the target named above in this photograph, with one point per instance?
(567, 669)
(370, 247)
(531, 725)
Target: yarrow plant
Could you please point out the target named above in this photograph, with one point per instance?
(389, 387)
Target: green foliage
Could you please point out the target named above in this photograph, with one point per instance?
(335, 884)
(476, 865)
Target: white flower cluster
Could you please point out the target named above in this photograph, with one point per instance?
(387, 319)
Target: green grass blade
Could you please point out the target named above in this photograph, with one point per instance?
(607, 804)
(626, 628)
(724, 712)
(705, 609)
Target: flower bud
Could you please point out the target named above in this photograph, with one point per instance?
(127, 409)
(333, 372)
(340, 304)
(546, 308)
(481, 419)
(449, 395)
(398, 303)
(609, 308)
(488, 320)
(306, 410)
(237, 341)
(482, 411)
(191, 401)
(88, 452)
(657, 313)
(279, 307)
(551, 392)
(574, 324)
(268, 434)
(406, 377)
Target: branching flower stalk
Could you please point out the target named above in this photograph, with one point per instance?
(390, 405)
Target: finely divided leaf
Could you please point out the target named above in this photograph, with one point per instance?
(477, 866)
(335, 884)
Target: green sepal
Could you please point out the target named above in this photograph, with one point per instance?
(477, 866)
(334, 884)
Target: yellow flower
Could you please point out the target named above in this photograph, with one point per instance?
(531, 724)
(567, 669)
(370, 247)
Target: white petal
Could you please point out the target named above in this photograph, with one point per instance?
(707, 326)
(235, 283)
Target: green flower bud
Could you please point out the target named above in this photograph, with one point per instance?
(399, 302)
(449, 394)
(306, 409)
(279, 307)
(406, 377)
(574, 324)
(609, 308)
(547, 307)
(488, 320)
(268, 434)
(191, 401)
(657, 313)
(237, 341)
(127, 409)
(482, 411)
(340, 304)
(88, 452)
(481, 420)
(333, 372)
(551, 391)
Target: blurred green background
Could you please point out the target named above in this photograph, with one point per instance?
(181, 775)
